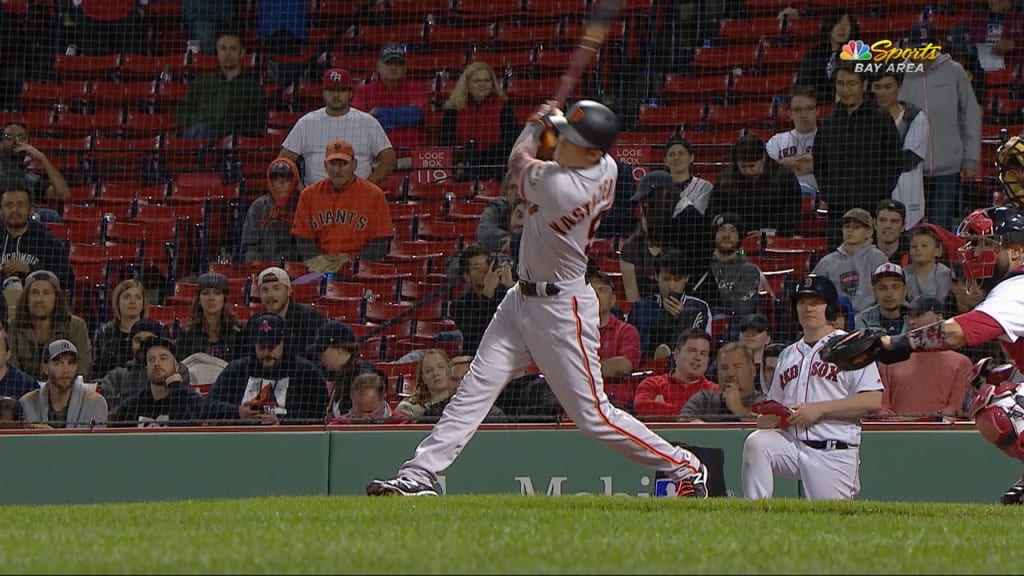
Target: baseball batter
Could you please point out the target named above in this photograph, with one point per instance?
(993, 255)
(551, 314)
(817, 438)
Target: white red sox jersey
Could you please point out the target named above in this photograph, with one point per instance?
(1005, 304)
(565, 212)
(793, 143)
(802, 377)
(910, 185)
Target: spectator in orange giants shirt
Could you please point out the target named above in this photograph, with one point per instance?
(341, 216)
(665, 395)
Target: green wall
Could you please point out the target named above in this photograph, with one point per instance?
(951, 466)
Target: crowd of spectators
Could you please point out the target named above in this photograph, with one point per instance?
(692, 322)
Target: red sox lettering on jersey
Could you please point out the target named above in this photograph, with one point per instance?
(821, 369)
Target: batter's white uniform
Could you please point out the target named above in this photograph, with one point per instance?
(827, 473)
(558, 332)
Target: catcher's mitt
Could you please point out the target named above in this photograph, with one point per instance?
(855, 350)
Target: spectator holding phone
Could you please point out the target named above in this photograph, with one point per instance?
(662, 317)
(488, 278)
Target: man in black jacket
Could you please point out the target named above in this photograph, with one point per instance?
(27, 246)
(759, 190)
(302, 320)
(488, 280)
(857, 152)
(272, 384)
(168, 399)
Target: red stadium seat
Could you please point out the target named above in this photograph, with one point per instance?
(43, 96)
(696, 88)
(688, 115)
(85, 67)
(446, 230)
(759, 114)
(735, 31)
(747, 86)
(346, 309)
(723, 58)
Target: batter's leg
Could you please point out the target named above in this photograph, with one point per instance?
(765, 454)
(568, 358)
(501, 354)
(830, 474)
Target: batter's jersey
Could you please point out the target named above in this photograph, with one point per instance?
(566, 209)
(1005, 304)
(793, 143)
(801, 377)
(342, 222)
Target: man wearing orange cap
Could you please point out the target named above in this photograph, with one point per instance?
(341, 216)
(337, 120)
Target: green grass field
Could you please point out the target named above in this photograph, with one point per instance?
(509, 534)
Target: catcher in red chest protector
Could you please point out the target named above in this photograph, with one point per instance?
(993, 254)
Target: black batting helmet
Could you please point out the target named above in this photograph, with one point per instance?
(589, 124)
(822, 287)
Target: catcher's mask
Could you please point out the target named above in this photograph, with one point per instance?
(984, 232)
(1010, 159)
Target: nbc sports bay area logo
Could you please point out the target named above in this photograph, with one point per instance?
(885, 56)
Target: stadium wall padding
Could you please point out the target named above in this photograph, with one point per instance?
(948, 466)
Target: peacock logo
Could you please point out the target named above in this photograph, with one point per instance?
(855, 50)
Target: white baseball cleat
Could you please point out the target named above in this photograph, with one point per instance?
(399, 487)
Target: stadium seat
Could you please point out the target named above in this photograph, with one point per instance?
(753, 115)
(397, 373)
(688, 115)
(43, 96)
(416, 269)
(144, 66)
(525, 35)
(411, 291)
(428, 228)
(694, 88)
(779, 58)
(419, 248)
(718, 59)
(85, 67)
(747, 86)
(348, 310)
(129, 95)
(70, 124)
(737, 31)
(470, 210)
(384, 289)
(514, 60)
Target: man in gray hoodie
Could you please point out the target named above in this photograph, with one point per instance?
(851, 265)
(731, 281)
(64, 401)
(943, 91)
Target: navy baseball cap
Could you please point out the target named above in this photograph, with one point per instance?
(149, 325)
(333, 333)
(650, 181)
(756, 321)
(925, 304)
(267, 328)
(921, 34)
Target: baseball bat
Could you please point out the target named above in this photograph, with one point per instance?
(594, 36)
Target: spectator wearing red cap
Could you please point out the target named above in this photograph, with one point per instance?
(399, 103)
(337, 120)
(341, 216)
(267, 231)
(227, 100)
(890, 313)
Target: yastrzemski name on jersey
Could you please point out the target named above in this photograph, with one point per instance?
(341, 217)
(566, 222)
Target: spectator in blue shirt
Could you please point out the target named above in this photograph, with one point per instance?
(13, 382)
(661, 318)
